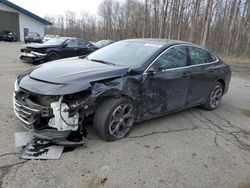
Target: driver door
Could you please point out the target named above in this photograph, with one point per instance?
(70, 48)
(84, 47)
(165, 83)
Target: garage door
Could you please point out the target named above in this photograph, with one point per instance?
(9, 21)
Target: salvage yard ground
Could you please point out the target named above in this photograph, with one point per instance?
(192, 148)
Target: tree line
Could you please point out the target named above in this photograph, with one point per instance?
(222, 25)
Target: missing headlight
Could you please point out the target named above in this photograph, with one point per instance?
(63, 120)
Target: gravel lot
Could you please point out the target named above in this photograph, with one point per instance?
(192, 148)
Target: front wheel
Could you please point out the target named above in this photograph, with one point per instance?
(53, 56)
(214, 97)
(114, 118)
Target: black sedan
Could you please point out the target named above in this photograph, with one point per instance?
(121, 84)
(8, 36)
(56, 48)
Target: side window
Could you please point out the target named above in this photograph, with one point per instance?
(72, 43)
(211, 57)
(200, 56)
(82, 43)
(172, 58)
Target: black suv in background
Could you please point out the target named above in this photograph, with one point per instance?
(8, 36)
(33, 37)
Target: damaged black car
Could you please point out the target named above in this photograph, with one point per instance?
(117, 86)
(56, 48)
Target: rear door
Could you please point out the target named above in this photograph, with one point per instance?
(203, 75)
(84, 47)
(165, 83)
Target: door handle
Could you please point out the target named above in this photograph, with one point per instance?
(185, 74)
(211, 70)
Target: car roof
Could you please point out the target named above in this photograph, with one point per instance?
(67, 38)
(165, 42)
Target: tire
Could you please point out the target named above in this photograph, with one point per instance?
(114, 118)
(214, 97)
(53, 56)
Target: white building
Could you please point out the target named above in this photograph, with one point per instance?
(19, 20)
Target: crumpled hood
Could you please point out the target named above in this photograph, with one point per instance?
(38, 45)
(68, 76)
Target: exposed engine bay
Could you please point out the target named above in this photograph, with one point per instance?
(59, 119)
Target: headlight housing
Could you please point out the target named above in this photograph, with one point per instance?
(16, 86)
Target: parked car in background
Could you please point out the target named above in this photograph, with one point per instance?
(8, 36)
(33, 37)
(102, 43)
(56, 48)
(126, 82)
(48, 37)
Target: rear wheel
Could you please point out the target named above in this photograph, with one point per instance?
(114, 118)
(214, 97)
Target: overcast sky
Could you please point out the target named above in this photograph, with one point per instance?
(56, 7)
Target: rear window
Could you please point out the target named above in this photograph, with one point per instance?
(211, 57)
(200, 56)
(33, 35)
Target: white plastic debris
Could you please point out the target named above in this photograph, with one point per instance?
(23, 138)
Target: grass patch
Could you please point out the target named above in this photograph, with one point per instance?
(234, 59)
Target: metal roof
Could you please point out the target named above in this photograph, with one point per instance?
(26, 12)
(160, 41)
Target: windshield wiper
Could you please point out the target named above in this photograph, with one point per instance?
(102, 61)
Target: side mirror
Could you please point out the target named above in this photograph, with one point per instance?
(151, 72)
(159, 68)
(156, 69)
(65, 45)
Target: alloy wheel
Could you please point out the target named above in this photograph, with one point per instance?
(121, 120)
(215, 96)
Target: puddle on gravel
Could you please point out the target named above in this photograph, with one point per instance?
(246, 112)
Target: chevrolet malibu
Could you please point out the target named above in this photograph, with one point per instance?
(117, 86)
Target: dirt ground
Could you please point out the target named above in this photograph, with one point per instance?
(192, 148)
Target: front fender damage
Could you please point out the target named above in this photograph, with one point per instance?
(128, 87)
(69, 114)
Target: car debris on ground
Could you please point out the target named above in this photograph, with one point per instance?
(36, 148)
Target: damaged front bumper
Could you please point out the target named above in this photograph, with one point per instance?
(33, 56)
(52, 123)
